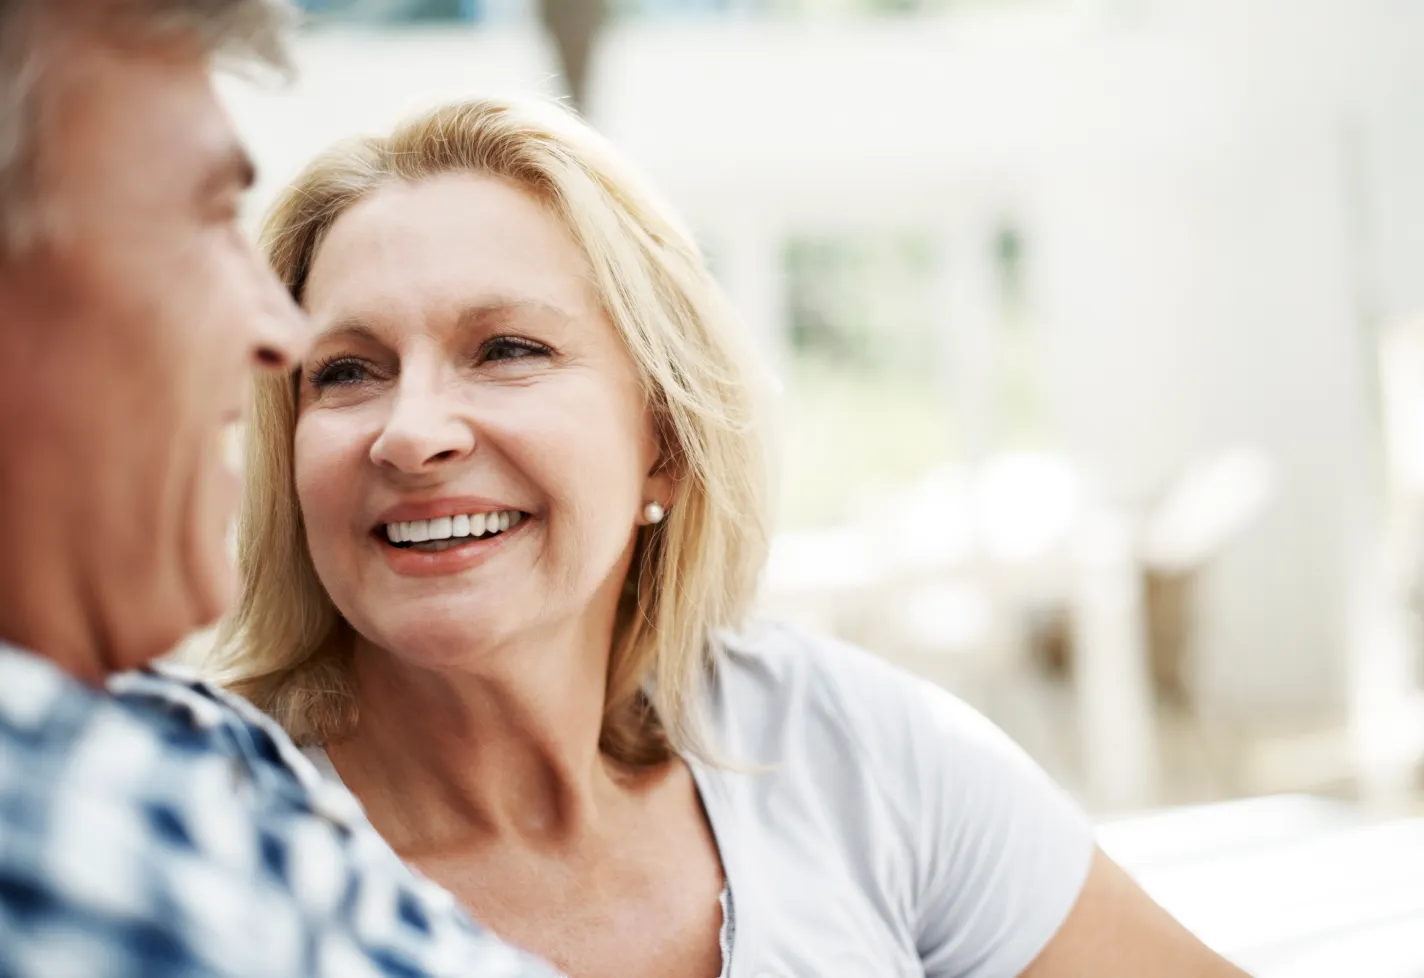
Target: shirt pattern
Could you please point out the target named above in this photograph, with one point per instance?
(169, 830)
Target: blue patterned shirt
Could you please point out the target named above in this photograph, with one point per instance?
(171, 831)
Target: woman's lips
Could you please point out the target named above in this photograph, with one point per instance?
(412, 562)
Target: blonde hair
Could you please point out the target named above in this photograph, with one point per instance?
(286, 647)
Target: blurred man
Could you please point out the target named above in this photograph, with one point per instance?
(160, 829)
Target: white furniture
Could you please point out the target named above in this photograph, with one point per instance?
(1287, 887)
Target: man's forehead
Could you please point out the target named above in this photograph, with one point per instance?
(155, 102)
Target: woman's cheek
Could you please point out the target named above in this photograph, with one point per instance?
(323, 469)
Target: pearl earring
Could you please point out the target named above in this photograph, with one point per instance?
(653, 512)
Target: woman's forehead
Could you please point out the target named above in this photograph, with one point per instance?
(459, 241)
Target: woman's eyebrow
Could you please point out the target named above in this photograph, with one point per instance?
(347, 329)
(350, 328)
(481, 313)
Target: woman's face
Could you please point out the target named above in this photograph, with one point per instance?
(472, 448)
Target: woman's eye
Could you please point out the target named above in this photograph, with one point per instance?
(511, 348)
(337, 372)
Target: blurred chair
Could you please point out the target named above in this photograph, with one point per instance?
(1067, 623)
(1211, 505)
(1387, 666)
(1132, 612)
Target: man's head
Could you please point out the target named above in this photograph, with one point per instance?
(131, 310)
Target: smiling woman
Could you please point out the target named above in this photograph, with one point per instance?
(291, 661)
(502, 529)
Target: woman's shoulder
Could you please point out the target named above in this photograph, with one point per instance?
(786, 657)
(786, 682)
(914, 793)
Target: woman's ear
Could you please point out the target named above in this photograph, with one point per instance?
(659, 489)
(660, 482)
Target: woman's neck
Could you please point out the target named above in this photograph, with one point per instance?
(448, 757)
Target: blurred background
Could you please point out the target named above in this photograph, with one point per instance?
(1100, 325)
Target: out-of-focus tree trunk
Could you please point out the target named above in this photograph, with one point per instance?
(574, 26)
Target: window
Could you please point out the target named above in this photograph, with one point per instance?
(672, 9)
(419, 11)
(865, 409)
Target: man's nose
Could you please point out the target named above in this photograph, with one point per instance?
(282, 333)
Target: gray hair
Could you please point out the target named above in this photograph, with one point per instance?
(232, 32)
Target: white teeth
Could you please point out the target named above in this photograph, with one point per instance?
(447, 531)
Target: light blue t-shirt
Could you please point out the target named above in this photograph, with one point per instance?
(871, 825)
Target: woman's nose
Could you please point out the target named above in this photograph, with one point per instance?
(422, 432)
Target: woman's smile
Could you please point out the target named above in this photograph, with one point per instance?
(453, 555)
(445, 537)
(442, 533)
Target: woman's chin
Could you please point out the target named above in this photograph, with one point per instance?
(442, 635)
